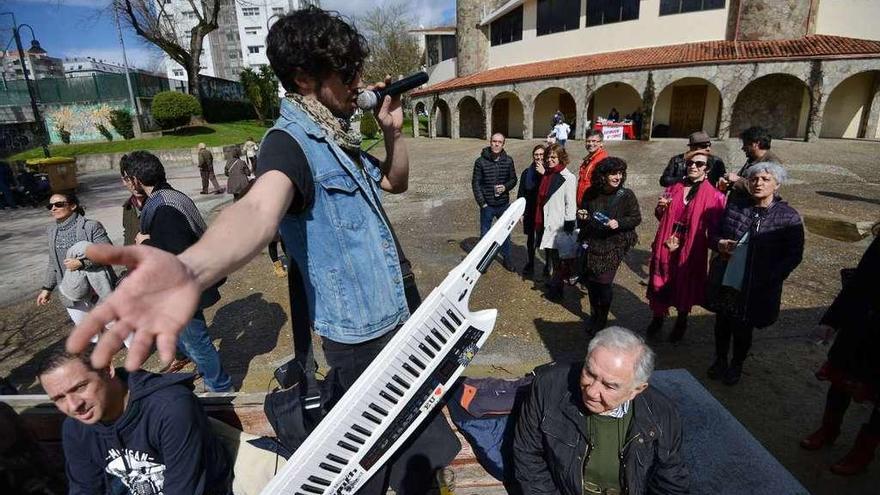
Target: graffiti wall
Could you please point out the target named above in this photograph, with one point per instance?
(17, 136)
(82, 120)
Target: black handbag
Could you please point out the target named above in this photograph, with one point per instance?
(294, 408)
(720, 298)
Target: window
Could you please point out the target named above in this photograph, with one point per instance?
(277, 10)
(447, 46)
(250, 11)
(189, 14)
(668, 7)
(231, 36)
(608, 11)
(252, 30)
(254, 49)
(178, 72)
(507, 28)
(233, 55)
(556, 16)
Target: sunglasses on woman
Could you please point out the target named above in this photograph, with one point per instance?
(57, 204)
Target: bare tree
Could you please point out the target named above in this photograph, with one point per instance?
(393, 49)
(172, 31)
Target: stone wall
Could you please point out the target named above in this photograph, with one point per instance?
(773, 102)
(771, 19)
(472, 121)
(782, 106)
(472, 42)
(169, 158)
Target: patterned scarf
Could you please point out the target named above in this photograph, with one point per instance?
(340, 130)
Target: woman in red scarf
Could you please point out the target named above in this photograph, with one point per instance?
(688, 212)
(555, 213)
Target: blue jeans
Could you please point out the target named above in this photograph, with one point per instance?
(489, 213)
(196, 344)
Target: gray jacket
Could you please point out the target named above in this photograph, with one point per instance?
(79, 285)
(86, 230)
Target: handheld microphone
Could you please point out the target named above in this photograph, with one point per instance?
(371, 98)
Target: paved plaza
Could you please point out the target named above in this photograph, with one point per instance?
(835, 185)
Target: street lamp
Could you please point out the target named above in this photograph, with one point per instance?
(35, 49)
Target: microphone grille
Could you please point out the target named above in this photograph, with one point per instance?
(367, 100)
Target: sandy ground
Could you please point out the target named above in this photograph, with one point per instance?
(778, 400)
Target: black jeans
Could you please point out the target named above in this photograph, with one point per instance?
(726, 327)
(432, 445)
(838, 400)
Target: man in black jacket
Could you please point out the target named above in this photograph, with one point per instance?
(676, 169)
(170, 221)
(135, 432)
(596, 427)
(492, 181)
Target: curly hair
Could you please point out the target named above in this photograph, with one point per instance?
(315, 42)
(604, 168)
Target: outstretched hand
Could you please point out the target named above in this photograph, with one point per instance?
(155, 300)
(390, 114)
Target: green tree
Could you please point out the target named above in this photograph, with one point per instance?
(261, 89)
(393, 50)
(172, 109)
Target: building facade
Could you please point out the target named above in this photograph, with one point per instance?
(803, 69)
(238, 43)
(37, 63)
(88, 66)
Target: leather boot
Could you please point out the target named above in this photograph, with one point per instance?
(826, 434)
(860, 456)
(681, 324)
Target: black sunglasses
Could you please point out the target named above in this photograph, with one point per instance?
(57, 204)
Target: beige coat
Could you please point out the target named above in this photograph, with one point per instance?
(561, 207)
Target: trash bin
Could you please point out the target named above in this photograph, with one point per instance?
(60, 169)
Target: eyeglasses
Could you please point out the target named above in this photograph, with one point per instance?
(57, 204)
(701, 145)
(696, 164)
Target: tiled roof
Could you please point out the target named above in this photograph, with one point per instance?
(701, 53)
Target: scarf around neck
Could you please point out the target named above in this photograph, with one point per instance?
(339, 130)
(543, 192)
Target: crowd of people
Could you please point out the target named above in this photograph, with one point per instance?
(725, 241)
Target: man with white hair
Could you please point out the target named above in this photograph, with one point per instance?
(596, 427)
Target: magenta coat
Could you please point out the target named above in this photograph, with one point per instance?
(678, 278)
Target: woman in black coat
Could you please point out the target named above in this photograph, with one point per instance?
(761, 243)
(608, 216)
(529, 181)
(853, 365)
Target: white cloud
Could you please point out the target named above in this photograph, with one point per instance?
(428, 13)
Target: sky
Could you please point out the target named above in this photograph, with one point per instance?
(80, 28)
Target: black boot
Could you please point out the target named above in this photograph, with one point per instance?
(681, 324)
(733, 374)
(655, 326)
(718, 368)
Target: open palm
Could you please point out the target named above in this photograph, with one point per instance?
(155, 301)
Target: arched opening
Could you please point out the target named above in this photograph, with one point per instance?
(848, 106)
(777, 102)
(420, 119)
(507, 115)
(442, 121)
(687, 105)
(616, 101)
(546, 104)
(471, 120)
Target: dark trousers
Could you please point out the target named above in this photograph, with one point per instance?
(207, 174)
(411, 470)
(530, 246)
(488, 214)
(727, 328)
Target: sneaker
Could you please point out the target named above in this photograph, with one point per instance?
(718, 368)
(732, 375)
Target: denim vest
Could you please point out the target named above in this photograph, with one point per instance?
(341, 244)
